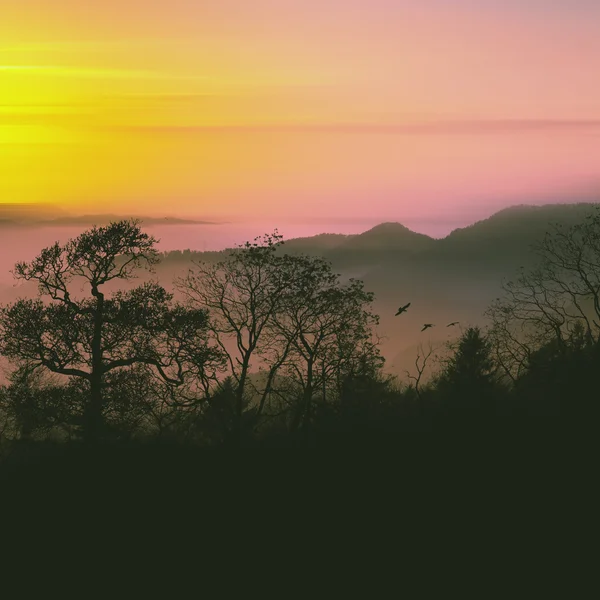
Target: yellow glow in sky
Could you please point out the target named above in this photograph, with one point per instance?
(157, 107)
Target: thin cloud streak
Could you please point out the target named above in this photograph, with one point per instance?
(65, 71)
(475, 127)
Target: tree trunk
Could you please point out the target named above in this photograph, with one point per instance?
(308, 394)
(26, 429)
(93, 413)
(27, 416)
(239, 402)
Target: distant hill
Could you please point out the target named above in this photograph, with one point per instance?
(523, 223)
(13, 213)
(29, 220)
(389, 235)
(8, 223)
(380, 244)
(105, 219)
(498, 244)
(450, 279)
(323, 242)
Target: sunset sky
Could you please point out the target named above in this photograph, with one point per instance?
(298, 108)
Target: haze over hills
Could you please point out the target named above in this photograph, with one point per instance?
(486, 250)
(449, 279)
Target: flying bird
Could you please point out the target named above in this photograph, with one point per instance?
(453, 324)
(402, 309)
(427, 326)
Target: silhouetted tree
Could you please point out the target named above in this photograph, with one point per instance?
(23, 401)
(89, 337)
(562, 379)
(365, 391)
(37, 404)
(243, 292)
(469, 383)
(422, 359)
(327, 330)
(544, 305)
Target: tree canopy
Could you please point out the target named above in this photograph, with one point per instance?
(76, 328)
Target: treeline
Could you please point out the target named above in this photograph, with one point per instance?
(269, 348)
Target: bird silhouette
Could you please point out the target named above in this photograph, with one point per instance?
(427, 326)
(453, 324)
(402, 309)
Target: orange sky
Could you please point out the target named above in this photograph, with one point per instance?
(291, 107)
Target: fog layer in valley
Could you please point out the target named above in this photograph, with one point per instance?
(445, 280)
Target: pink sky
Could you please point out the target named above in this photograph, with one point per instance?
(289, 109)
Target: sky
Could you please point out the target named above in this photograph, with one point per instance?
(298, 109)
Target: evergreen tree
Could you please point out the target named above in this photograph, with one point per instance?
(469, 383)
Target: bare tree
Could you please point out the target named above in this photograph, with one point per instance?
(327, 329)
(243, 292)
(552, 301)
(287, 318)
(422, 359)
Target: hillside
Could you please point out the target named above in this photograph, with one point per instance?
(379, 244)
(504, 240)
(449, 279)
(317, 244)
(496, 245)
(388, 235)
